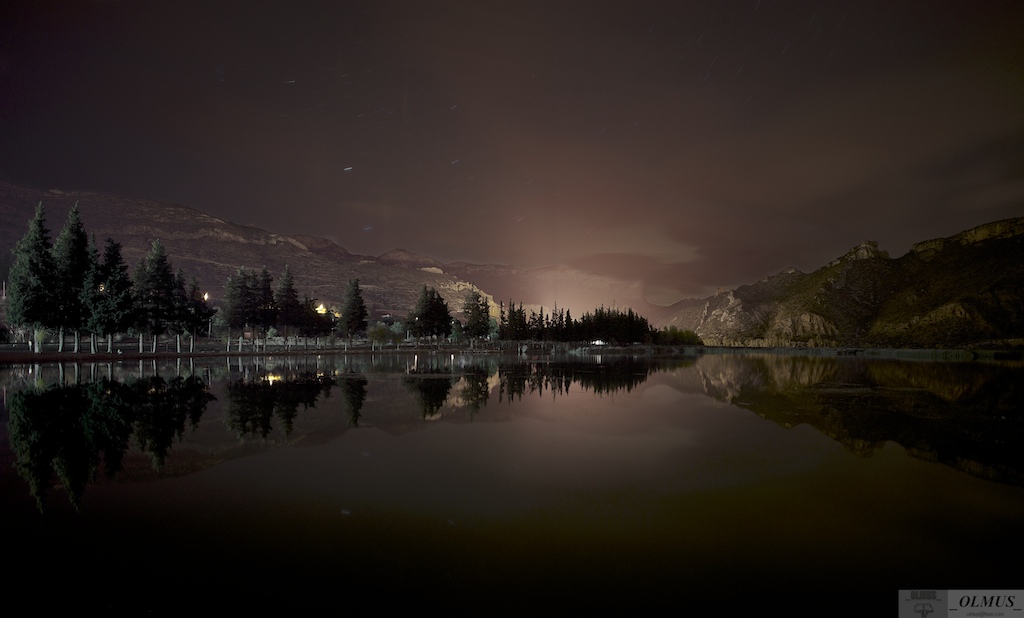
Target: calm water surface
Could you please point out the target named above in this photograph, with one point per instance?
(494, 484)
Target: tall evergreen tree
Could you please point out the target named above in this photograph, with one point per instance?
(108, 295)
(89, 296)
(431, 317)
(417, 322)
(241, 300)
(179, 322)
(155, 289)
(289, 309)
(32, 280)
(196, 312)
(477, 315)
(353, 313)
(266, 308)
(236, 308)
(518, 329)
(71, 262)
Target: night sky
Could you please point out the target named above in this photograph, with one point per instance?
(687, 144)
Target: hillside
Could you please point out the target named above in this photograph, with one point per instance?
(211, 249)
(965, 290)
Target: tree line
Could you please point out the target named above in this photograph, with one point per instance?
(251, 303)
(69, 286)
(432, 318)
(604, 325)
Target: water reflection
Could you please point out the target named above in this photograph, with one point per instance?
(254, 403)
(432, 393)
(353, 389)
(71, 431)
(601, 377)
(964, 415)
(967, 415)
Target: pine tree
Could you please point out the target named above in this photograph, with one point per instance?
(417, 325)
(477, 315)
(239, 308)
(32, 280)
(353, 313)
(263, 300)
(437, 316)
(289, 310)
(431, 317)
(107, 295)
(197, 313)
(155, 288)
(71, 262)
(179, 322)
(90, 294)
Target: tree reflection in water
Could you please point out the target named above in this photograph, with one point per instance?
(965, 415)
(70, 431)
(600, 376)
(253, 404)
(353, 389)
(432, 393)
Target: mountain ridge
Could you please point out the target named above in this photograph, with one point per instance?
(212, 249)
(963, 290)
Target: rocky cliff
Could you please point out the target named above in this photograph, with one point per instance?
(965, 290)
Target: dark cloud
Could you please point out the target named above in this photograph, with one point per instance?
(680, 145)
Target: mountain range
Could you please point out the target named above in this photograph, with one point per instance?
(964, 290)
(961, 291)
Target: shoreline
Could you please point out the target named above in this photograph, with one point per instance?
(10, 355)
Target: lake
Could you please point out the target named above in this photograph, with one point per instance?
(501, 484)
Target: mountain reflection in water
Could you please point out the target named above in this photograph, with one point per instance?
(967, 415)
(201, 432)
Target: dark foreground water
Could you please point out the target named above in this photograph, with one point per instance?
(745, 484)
